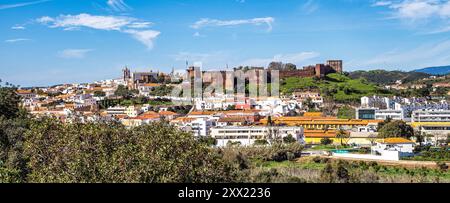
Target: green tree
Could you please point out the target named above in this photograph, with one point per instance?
(98, 153)
(396, 129)
(289, 139)
(346, 112)
(326, 141)
(123, 92)
(343, 136)
(9, 102)
(260, 142)
(99, 94)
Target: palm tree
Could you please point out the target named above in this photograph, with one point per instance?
(341, 134)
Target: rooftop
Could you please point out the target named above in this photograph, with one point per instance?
(396, 140)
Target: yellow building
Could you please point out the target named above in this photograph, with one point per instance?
(322, 123)
(318, 127)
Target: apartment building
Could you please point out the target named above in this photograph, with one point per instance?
(247, 135)
(432, 122)
(383, 114)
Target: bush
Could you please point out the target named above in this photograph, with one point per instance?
(107, 153)
(289, 139)
(260, 142)
(317, 160)
(326, 141)
(442, 166)
(208, 141)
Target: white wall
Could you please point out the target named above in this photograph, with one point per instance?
(386, 155)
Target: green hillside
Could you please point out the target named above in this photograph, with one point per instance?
(384, 77)
(336, 86)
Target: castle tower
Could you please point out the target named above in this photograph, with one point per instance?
(126, 74)
(336, 65)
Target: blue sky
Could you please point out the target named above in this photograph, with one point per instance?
(46, 42)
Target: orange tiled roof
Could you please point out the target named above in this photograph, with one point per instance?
(147, 116)
(151, 85)
(396, 140)
(183, 119)
(202, 113)
(241, 111)
(232, 119)
(167, 113)
(24, 92)
(320, 133)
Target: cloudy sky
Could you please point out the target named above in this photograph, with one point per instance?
(45, 42)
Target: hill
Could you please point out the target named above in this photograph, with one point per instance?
(439, 70)
(340, 88)
(383, 77)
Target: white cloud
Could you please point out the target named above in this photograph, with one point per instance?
(434, 13)
(140, 25)
(87, 20)
(146, 36)
(206, 22)
(74, 53)
(7, 6)
(45, 20)
(18, 27)
(295, 58)
(118, 5)
(132, 26)
(414, 10)
(310, 6)
(430, 54)
(382, 3)
(16, 40)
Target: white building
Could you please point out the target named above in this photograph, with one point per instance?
(199, 126)
(431, 116)
(133, 111)
(116, 111)
(383, 114)
(404, 146)
(247, 135)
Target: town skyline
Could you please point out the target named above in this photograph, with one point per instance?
(49, 42)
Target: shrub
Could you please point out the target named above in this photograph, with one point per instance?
(289, 139)
(317, 160)
(326, 141)
(260, 142)
(442, 166)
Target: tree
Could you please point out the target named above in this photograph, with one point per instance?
(109, 153)
(396, 129)
(343, 136)
(308, 103)
(13, 165)
(260, 142)
(326, 141)
(123, 92)
(381, 124)
(346, 112)
(9, 102)
(372, 138)
(99, 94)
(289, 139)
(290, 67)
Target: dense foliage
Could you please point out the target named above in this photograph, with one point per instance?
(396, 129)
